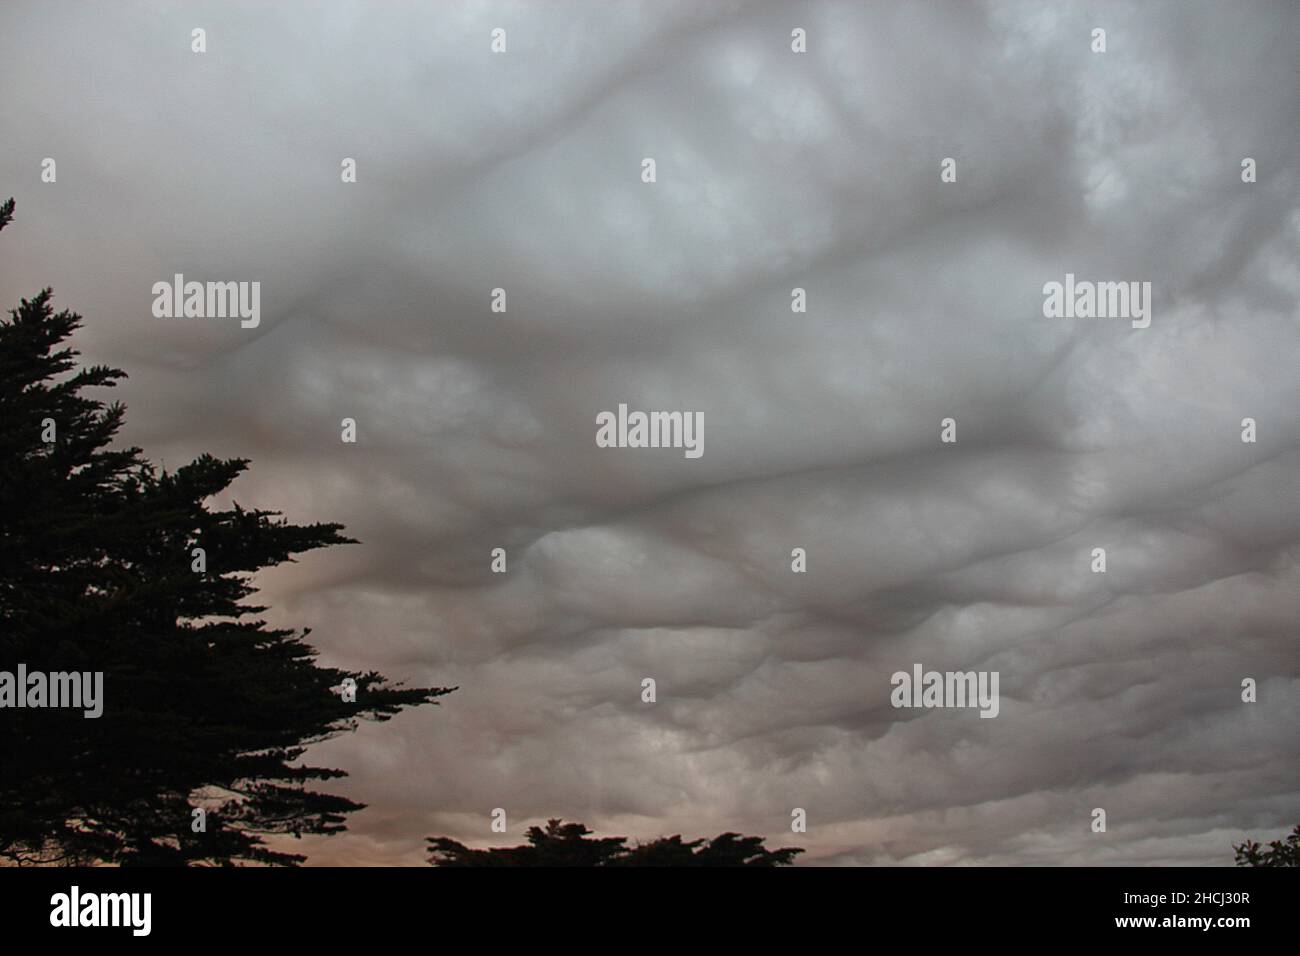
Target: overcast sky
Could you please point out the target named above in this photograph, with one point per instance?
(775, 170)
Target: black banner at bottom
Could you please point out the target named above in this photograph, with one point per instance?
(349, 906)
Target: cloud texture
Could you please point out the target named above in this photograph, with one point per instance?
(775, 170)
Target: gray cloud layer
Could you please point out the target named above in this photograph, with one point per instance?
(775, 170)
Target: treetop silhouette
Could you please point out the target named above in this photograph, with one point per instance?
(567, 844)
(1284, 852)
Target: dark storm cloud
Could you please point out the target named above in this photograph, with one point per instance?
(822, 429)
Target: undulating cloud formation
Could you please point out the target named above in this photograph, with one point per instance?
(775, 170)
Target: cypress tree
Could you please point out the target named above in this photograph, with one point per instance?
(204, 706)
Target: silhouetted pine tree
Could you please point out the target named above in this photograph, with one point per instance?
(567, 844)
(204, 706)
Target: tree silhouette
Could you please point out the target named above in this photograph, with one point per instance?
(204, 706)
(1280, 853)
(567, 844)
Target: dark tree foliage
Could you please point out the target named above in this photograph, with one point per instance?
(204, 705)
(567, 844)
(1280, 852)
